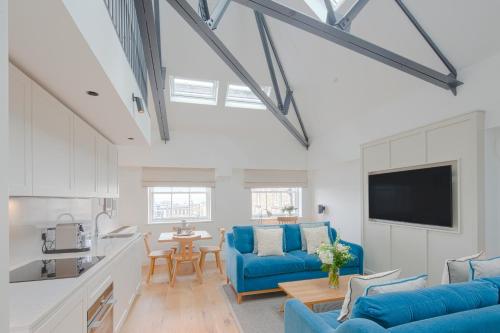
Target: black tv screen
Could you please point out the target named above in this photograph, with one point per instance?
(421, 196)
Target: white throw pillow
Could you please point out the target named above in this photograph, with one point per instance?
(484, 268)
(357, 287)
(255, 239)
(408, 284)
(270, 242)
(303, 226)
(457, 270)
(315, 237)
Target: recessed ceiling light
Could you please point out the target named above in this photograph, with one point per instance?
(131, 139)
(92, 93)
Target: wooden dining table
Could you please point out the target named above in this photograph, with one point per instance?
(168, 237)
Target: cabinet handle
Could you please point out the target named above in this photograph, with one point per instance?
(97, 323)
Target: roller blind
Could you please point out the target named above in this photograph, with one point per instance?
(254, 178)
(192, 177)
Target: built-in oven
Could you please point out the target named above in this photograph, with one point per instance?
(100, 314)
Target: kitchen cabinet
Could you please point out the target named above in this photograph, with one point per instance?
(113, 189)
(52, 145)
(85, 159)
(53, 152)
(20, 158)
(102, 166)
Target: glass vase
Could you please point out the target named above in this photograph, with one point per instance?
(334, 278)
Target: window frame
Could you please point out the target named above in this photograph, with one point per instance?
(263, 216)
(192, 98)
(232, 102)
(173, 220)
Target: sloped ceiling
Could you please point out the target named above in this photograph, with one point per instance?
(331, 83)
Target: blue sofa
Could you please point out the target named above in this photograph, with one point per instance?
(471, 307)
(251, 274)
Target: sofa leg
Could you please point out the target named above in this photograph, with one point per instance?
(239, 298)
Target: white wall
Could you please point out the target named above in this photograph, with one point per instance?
(28, 216)
(492, 191)
(4, 170)
(419, 250)
(231, 206)
(337, 186)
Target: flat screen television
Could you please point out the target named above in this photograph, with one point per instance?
(419, 196)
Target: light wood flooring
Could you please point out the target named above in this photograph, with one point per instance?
(189, 307)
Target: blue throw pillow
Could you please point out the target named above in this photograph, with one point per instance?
(292, 237)
(243, 238)
(393, 309)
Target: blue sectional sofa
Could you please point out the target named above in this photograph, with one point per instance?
(471, 307)
(251, 274)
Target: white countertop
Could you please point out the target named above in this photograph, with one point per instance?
(30, 302)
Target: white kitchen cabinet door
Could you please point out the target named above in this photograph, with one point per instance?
(102, 166)
(52, 128)
(85, 159)
(20, 158)
(113, 190)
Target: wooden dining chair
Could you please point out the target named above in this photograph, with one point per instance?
(287, 219)
(216, 250)
(157, 254)
(186, 254)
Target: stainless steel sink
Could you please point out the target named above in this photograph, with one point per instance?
(117, 236)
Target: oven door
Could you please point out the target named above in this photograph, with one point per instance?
(100, 315)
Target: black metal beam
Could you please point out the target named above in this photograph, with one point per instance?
(356, 44)
(201, 28)
(345, 22)
(150, 40)
(269, 59)
(427, 38)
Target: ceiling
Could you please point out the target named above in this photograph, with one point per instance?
(331, 84)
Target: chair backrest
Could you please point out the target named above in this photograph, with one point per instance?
(186, 245)
(288, 219)
(222, 239)
(147, 241)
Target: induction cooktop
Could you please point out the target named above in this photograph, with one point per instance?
(53, 269)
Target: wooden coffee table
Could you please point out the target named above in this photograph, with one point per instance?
(315, 291)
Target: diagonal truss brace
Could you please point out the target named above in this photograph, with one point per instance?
(338, 36)
(428, 39)
(267, 40)
(212, 19)
(201, 28)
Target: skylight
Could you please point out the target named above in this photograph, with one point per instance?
(242, 97)
(193, 91)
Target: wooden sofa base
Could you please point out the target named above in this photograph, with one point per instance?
(239, 296)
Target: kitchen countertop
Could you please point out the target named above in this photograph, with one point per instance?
(31, 302)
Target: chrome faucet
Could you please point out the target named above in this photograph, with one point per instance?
(97, 222)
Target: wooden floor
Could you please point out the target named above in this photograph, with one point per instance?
(189, 307)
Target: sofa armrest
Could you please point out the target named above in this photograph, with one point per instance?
(357, 250)
(360, 325)
(300, 319)
(234, 263)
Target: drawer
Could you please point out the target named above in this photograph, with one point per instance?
(98, 284)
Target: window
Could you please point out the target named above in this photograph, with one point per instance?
(242, 97)
(193, 91)
(269, 202)
(173, 204)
